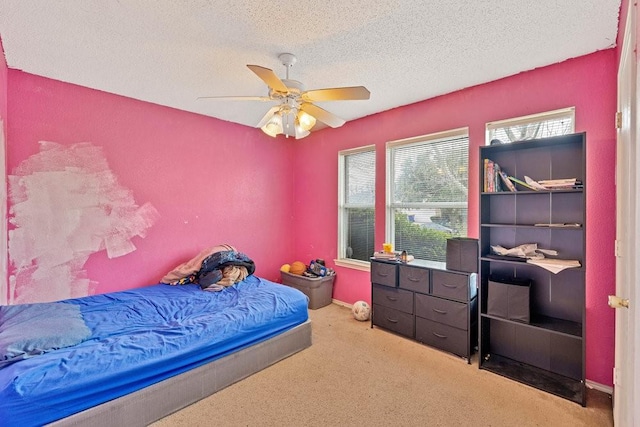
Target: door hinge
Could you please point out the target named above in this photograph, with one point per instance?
(619, 120)
(616, 377)
(618, 249)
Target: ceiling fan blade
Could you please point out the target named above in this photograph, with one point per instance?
(323, 115)
(269, 77)
(337, 94)
(268, 116)
(238, 98)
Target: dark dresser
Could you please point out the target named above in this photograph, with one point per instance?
(423, 301)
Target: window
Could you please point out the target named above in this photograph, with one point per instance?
(427, 189)
(356, 203)
(552, 123)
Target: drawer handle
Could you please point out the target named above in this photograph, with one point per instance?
(382, 274)
(391, 320)
(439, 311)
(392, 298)
(449, 286)
(413, 280)
(438, 335)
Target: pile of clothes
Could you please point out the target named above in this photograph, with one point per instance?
(213, 269)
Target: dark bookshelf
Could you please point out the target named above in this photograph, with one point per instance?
(548, 352)
(541, 379)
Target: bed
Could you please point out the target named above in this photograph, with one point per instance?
(145, 352)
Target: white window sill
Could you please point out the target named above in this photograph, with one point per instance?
(353, 264)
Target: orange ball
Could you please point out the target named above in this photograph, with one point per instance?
(297, 267)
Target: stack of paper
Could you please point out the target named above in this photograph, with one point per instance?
(554, 265)
(555, 184)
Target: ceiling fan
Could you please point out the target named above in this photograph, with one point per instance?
(295, 113)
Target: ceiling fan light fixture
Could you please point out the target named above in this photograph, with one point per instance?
(306, 121)
(300, 132)
(296, 113)
(274, 126)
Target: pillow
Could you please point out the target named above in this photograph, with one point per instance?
(27, 330)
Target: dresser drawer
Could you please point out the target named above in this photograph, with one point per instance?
(383, 274)
(397, 299)
(414, 279)
(440, 310)
(442, 336)
(393, 320)
(455, 286)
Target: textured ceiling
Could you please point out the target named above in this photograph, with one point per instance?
(170, 52)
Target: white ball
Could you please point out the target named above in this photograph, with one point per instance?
(361, 310)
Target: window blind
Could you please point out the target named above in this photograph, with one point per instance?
(428, 191)
(357, 209)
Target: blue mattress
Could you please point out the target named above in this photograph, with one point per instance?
(140, 337)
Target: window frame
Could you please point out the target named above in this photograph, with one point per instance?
(341, 259)
(390, 171)
(531, 118)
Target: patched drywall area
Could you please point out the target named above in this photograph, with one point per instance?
(66, 204)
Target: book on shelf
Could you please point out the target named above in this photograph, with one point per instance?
(496, 177)
(534, 183)
(488, 168)
(522, 183)
(491, 176)
(507, 182)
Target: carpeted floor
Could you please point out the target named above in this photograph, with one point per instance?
(355, 375)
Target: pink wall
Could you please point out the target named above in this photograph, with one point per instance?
(210, 181)
(588, 83)
(4, 71)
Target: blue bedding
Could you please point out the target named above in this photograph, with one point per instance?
(27, 330)
(140, 337)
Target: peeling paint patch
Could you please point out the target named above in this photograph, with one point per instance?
(66, 204)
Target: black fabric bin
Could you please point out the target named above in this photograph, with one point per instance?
(509, 299)
(462, 254)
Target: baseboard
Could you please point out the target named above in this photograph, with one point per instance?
(342, 303)
(600, 387)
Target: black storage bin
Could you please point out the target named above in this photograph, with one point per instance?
(509, 299)
(462, 254)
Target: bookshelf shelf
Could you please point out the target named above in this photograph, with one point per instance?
(551, 346)
(553, 227)
(517, 262)
(551, 324)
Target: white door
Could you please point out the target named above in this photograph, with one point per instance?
(627, 336)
